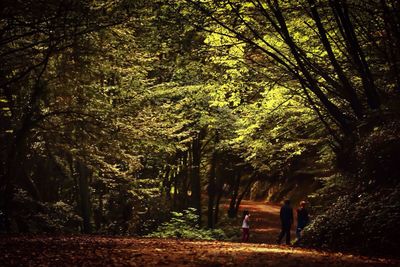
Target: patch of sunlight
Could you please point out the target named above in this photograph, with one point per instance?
(265, 230)
(277, 250)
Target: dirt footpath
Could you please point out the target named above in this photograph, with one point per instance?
(113, 251)
(265, 222)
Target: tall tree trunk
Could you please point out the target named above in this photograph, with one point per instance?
(219, 191)
(83, 183)
(235, 192)
(7, 185)
(98, 213)
(175, 181)
(184, 180)
(167, 182)
(195, 179)
(212, 184)
(218, 198)
(244, 192)
(13, 169)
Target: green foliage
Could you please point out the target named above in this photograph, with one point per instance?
(38, 217)
(376, 156)
(275, 131)
(359, 211)
(99, 117)
(185, 225)
(358, 222)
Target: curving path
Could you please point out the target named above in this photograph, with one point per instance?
(265, 223)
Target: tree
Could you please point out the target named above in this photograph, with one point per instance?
(283, 34)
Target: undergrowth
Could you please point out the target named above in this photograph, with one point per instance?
(185, 225)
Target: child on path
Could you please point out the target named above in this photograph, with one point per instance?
(245, 226)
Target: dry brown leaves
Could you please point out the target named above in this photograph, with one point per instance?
(119, 251)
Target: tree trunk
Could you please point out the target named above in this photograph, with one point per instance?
(219, 191)
(232, 212)
(212, 185)
(184, 180)
(195, 179)
(98, 213)
(175, 181)
(82, 175)
(244, 192)
(217, 201)
(167, 182)
(13, 169)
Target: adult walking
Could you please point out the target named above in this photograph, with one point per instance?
(302, 218)
(286, 215)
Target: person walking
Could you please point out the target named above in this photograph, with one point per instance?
(286, 216)
(245, 226)
(302, 218)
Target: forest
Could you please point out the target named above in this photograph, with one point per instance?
(162, 118)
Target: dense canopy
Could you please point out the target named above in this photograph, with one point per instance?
(113, 114)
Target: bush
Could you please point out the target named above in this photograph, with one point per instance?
(359, 207)
(378, 154)
(185, 225)
(31, 216)
(365, 223)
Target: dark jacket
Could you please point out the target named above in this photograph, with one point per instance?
(302, 217)
(286, 215)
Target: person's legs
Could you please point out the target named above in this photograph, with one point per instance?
(287, 235)
(245, 235)
(298, 231)
(281, 234)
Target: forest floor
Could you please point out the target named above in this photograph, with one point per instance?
(129, 251)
